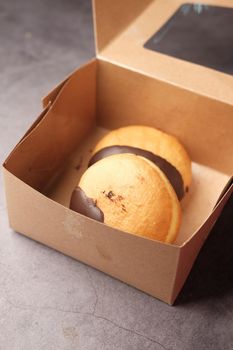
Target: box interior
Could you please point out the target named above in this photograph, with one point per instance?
(102, 96)
(196, 205)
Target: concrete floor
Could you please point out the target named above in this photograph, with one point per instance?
(50, 301)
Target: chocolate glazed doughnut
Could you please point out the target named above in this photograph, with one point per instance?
(168, 169)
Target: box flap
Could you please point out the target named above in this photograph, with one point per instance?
(57, 132)
(124, 28)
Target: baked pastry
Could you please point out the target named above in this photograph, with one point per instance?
(158, 143)
(130, 193)
(168, 169)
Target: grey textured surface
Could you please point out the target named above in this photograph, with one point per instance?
(49, 301)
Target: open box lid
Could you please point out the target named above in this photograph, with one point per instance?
(125, 29)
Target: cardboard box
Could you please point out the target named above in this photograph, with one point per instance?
(125, 84)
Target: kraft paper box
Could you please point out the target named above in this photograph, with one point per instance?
(126, 83)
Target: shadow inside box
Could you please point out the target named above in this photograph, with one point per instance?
(212, 272)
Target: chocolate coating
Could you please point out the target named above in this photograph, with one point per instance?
(168, 169)
(82, 204)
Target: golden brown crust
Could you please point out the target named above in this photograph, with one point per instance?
(155, 141)
(134, 195)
